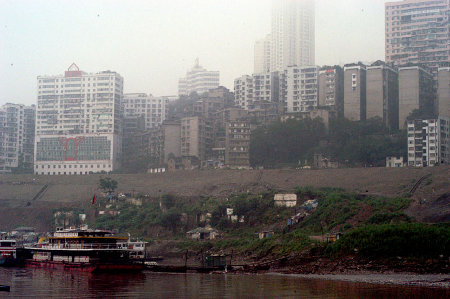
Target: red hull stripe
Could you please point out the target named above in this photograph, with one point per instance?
(83, 267)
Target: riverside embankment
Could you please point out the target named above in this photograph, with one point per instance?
(20, 207)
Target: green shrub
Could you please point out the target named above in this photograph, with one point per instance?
(390, 240)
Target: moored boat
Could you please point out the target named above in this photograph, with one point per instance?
(8, 252)
(85, 249)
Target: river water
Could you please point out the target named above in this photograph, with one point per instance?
(41, 283)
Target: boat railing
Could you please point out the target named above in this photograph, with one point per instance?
(84, 246)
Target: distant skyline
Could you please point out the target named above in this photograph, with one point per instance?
(153, 43)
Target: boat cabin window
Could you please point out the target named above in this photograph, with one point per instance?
(7, 244)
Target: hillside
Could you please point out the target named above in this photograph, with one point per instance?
(18, 207)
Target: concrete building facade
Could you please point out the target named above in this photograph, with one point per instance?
(154, 110)
(293, 34)
(417, 32)
(171, 140)
(382, 94)
(196, 137)
(78, 123)
(331, 89)
(443, 92)
(444, 135)
(198, 80)
(17, 126)
(355, 92)
(415, 92)
(299, 88)
(237, 144)
(132, 127)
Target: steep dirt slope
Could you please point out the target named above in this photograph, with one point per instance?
(17, 191)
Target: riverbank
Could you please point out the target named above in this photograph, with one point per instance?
(306, 264)
(406, 279)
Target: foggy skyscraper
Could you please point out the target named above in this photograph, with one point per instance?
(292, 41)
(262, 55)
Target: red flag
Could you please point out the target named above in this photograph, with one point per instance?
(93, 199)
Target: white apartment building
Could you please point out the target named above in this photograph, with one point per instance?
(243, 91)
(198, 79)
(154, 110)
(299, 88)
(78, 122)
(3, 168)
(444, 135)
(428, 142)
(262, 55)
(293, 34)
(16, 136)
(258, 87)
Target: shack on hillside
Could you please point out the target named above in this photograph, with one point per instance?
(285, 200)
(203, 233)
(266, 234)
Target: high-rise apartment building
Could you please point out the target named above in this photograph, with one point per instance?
(154, 110)
(293, 34)
(444, 136)
(237, 143)
(243, 91)
(78, 123)
(3, 134)
(355, 92)
(16, 136)
(443, 92)
(382, 94)
(196, 137)
(428, 142)
(258, 87)
(331, 89)
(262, 55)
(171, 140)
(198, 80)
(417, 32)
(299, 88)
(415, 92)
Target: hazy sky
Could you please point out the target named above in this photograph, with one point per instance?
(152, 43)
